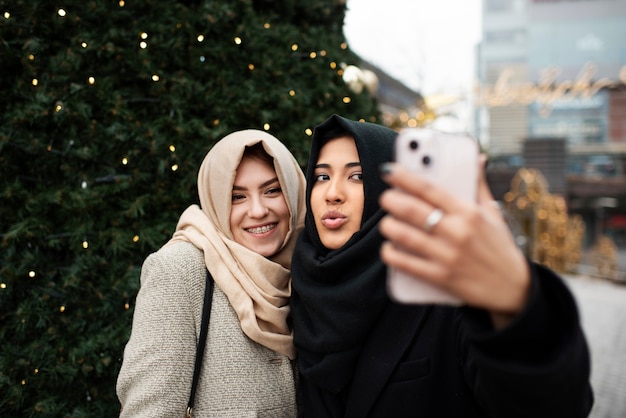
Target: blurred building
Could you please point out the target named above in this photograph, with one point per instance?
(552, 96)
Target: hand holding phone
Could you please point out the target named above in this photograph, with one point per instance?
(451, 162)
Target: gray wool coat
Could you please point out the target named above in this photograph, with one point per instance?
(239, 378)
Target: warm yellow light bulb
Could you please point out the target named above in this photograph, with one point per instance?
(251, 67)
(7, 15)
(136, 238)
(84, 44)
(333, 65)
(238, 40)
(3, 285)
(125, 160)
(174, 167)
(91, 80)
(266, 25)
(344, 45)
(121, 3)
(143, 35)
(155, 77)
(61, 12)
(58, 108)
(313, 55)
(308, 131)
(172, 148)
(347, 100)
(143, 45)
(35, 81)
(62, 308)
(292, 93)
(266, 126)
(294, 47)
(85, 244)
(31, 57)
(200, 38)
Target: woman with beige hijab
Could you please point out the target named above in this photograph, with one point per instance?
(251, 210)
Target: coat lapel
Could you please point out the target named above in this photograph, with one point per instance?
(388, 341)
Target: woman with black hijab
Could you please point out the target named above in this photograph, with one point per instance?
(362, 355)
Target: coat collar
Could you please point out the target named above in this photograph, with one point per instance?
(392, 336)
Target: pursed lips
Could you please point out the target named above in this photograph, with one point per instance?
(333, 219)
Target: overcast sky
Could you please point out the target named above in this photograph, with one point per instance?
(427, 44)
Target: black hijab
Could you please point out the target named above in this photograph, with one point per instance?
(338, 295)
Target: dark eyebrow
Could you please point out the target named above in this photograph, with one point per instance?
(265, 184)
(348, 165)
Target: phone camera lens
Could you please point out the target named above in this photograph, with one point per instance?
(413, 144)
(426, 160)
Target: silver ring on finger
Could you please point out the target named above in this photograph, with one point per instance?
(432, 220)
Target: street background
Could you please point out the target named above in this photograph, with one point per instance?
(602, 305)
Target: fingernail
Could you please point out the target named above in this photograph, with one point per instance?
(385, 169)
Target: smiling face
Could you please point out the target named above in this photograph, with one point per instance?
(259, 215)
(337, 197)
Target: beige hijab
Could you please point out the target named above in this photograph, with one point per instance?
(258, 288)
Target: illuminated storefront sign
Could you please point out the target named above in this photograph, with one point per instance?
(547, 91)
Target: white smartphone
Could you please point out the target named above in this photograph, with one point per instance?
(450, 161)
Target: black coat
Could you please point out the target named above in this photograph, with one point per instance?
(536, 367)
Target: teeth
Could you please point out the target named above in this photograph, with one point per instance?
(262, 229)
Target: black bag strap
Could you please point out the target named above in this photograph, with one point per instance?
(204, 329)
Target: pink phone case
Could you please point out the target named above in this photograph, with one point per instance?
(449, 160)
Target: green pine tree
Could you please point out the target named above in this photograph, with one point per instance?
(107, 109)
